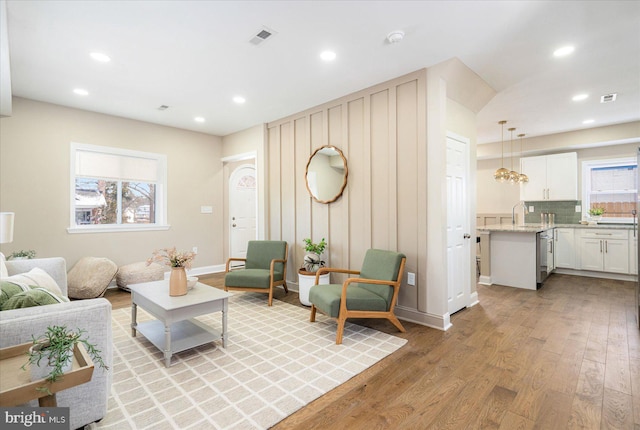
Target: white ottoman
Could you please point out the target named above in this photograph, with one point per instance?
(137, 273)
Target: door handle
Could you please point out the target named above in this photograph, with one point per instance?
(606, 246)
(600, 246)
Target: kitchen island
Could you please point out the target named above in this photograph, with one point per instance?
(510, 255)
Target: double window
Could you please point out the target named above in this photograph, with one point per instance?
(114, 189)
(612, 186)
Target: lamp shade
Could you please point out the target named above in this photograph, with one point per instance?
(6, 227)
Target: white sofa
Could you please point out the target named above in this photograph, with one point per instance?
(87, 402)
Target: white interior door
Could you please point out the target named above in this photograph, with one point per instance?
(458, 235)
(242, 209)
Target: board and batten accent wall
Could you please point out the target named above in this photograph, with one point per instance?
(379, 132)
(394, 137)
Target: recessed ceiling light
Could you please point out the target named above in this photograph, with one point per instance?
(239, 99)
(588, 121)
(99, 56)
(81, 92)
(198, 119)
(328, 55)
(580, 97)
(565, 50)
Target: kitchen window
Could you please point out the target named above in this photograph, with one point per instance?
(611, 185)
(115, 189)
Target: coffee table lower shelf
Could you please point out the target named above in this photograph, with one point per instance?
(185, 334)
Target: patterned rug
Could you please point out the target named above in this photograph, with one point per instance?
(275, 363)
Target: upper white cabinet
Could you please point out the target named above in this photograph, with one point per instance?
(551, 177)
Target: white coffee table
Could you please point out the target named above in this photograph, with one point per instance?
(176, 328)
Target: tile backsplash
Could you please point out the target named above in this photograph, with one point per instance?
(565, 211)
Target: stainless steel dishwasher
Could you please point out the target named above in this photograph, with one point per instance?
(544, 256)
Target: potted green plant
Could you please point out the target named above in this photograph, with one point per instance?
(22, 255)
(596, 213)
(307, 273)
(313, 257)
(51, 354)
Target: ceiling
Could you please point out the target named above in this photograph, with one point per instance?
(195, 56)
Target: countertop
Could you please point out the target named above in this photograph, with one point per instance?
(537, 228)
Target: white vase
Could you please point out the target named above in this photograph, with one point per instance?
(305, 282)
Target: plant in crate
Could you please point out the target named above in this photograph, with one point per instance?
(51, 354)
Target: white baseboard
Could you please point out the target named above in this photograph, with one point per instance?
(473, 299)
(484, 280)
(440, 322)
(603, 275)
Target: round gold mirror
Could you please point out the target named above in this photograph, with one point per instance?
(326, 174)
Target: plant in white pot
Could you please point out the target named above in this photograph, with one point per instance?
(22, 255)
(596, 213)
(51, 354)
(307, 273)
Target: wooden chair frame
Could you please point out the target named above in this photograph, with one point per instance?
(345, 313)
(272, 283)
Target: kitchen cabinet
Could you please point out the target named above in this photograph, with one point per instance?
(565, 251)
(605, 250)
(551, 177)
(633, 252)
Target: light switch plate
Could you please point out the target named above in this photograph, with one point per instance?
(531, 209)
(578, 208)
(411, 278)
(206, 209)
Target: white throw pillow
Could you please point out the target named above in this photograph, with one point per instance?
(4, 273)
(38, 278)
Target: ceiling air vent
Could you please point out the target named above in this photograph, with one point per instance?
(608, 98)
(261, 35)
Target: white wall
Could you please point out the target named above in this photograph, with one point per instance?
(35, 179)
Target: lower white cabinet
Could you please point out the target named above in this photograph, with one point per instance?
(565, 248)
(604, 250)
(633, 252)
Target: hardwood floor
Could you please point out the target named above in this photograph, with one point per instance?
(563, 357)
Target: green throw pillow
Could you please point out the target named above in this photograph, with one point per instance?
(10, 289)
(34, 297)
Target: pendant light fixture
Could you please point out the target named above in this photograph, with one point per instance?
(514, 177)
(501, 174)
(523, 178)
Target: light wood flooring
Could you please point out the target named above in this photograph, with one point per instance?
(563, 357)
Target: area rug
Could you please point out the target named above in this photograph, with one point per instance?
(276, 361)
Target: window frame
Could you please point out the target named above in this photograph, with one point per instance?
(161, 191)
(587, 165)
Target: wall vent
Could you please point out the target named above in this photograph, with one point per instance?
(261, 35)
(608, 98)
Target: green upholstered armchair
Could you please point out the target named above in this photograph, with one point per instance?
(371, 295)
(264, 268)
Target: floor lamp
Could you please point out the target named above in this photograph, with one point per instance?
(6, 229)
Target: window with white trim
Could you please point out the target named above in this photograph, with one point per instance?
(610, 185)
(115, 189)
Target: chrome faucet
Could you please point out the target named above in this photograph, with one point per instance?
(513, 211)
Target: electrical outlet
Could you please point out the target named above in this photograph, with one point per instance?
(578, 208)
(531, 209)
(411, 278)
(195, 249)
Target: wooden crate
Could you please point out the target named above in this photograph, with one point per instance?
(16, 386)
